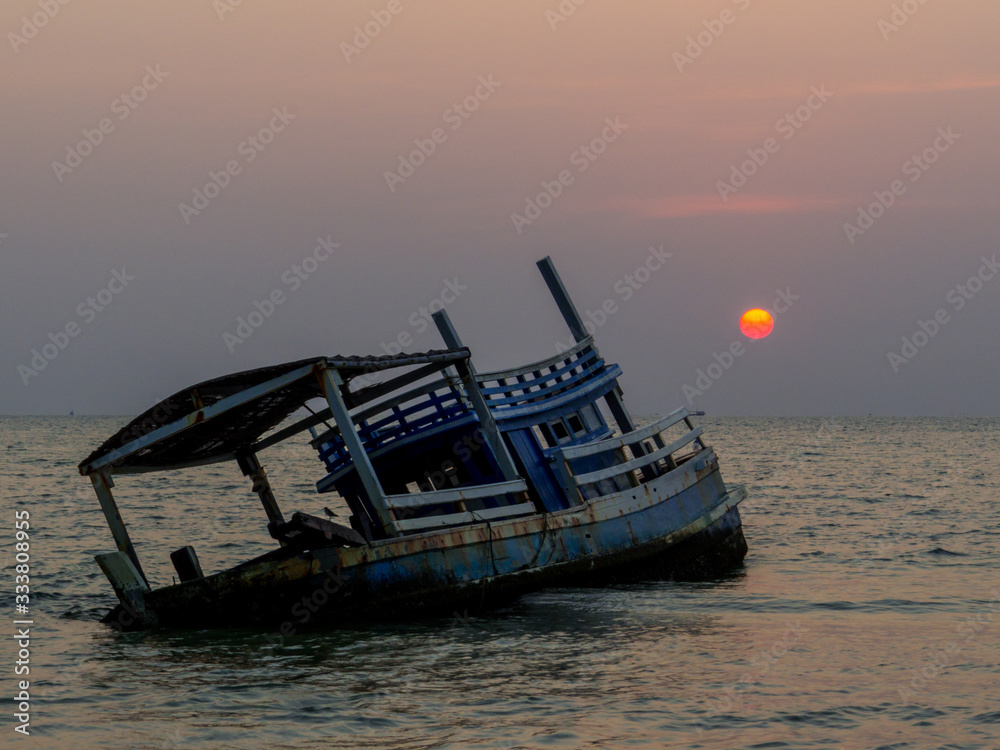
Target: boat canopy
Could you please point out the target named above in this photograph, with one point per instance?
(409, 453)
(214, 420)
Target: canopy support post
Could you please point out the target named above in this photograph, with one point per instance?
(331, 381)
(250, 466)
(102, 486)
(467, 373)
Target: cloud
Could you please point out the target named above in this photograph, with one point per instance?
(680, 206)
(921, 87)
(792, 89)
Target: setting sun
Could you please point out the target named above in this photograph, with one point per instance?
(756, 323)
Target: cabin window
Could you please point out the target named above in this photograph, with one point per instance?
(559, 430)
(575, 425)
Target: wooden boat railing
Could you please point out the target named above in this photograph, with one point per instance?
(507, 389)
(659, 458)
(407, 414)
(459, 496)
(427, 406)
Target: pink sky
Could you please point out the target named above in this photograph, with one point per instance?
(657, 183)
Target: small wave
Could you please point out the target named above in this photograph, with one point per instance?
(838, 605)
(85, 614)
(946, 552)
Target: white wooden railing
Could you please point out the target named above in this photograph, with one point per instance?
(648, 464)
(459, 496)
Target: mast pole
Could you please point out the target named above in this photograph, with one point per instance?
(467, 373)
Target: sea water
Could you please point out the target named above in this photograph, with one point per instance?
(867, 614)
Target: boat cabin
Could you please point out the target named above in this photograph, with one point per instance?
(432, 445)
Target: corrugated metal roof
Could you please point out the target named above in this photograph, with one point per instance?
(198, 439)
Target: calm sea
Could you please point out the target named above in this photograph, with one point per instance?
(867, 614)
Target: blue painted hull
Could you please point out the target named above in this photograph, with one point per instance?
(682, 524)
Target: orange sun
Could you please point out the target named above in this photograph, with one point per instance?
(756, 323)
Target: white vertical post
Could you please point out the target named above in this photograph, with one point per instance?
(102, 486)
(468, 375)
(331, 382)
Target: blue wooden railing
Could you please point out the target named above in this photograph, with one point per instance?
(541, 381)
(417, 411)
(625, 470)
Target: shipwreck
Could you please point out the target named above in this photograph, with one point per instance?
(465, 489)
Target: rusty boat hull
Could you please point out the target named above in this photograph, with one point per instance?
(684, 524)
(463, 489)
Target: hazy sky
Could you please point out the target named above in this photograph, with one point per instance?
(642, 109)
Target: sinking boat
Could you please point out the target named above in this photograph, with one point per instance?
(465, 489)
